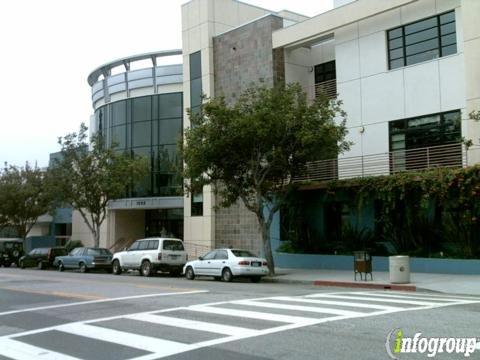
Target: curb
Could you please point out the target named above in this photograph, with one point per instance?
(346, 284)
(384, 286)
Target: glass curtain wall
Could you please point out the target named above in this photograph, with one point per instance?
(149, 126)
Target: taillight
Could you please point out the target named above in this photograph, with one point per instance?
(244, 262)
(159, 256)
(264, 263)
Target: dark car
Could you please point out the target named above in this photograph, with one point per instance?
(10, 251)
(41, 258)
(85, 259)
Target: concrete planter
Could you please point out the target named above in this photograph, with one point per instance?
(380, 263)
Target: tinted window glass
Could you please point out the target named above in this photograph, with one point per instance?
(153, 244)
(421, 25)
(210, 255)
(170, 106)
(33, 252)
(98, 252)
(142, 109)
(143, 245)
(141, 134)
(119, 113)
(170, 131)
(76, 251)
(134, 245)
(221, 255)
(195, 65)
(172, 245)
(243, 253)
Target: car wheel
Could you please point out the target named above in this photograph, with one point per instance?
(189, 274)
(116, 268)
(60, 266)
(227, 275)
(21, 264)
(255, 279)
(146, 269)
(40, 265)
(82, 267)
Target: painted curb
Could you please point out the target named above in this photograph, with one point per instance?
(351, 284)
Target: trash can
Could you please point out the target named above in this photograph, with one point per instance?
(362, 264)
(399, 269)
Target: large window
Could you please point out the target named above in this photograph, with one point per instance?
(325, 79)
(440, 133)
(149, 126)
(422, 40)
(195, 81)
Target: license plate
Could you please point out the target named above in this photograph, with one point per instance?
(173, 256)
(256, 263)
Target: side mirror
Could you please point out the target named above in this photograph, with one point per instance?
(200, 258)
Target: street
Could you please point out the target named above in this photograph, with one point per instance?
(52, 315)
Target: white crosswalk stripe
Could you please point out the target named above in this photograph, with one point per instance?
(300, 311)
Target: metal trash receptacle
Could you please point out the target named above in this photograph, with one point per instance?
(399, 267)
(362, 264)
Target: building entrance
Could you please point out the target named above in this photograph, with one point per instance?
(164, 222)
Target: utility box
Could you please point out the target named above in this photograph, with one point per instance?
(399, 269)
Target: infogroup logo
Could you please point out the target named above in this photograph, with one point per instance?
(397, 344)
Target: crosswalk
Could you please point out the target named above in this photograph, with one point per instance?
(161, 333)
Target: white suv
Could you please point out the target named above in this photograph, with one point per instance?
(150, 255)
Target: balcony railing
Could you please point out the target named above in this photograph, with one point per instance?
(328, 88)
(445, 156)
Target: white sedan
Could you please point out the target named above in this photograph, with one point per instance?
(225, 264)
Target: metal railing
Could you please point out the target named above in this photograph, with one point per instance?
(328, 88)
(445, 156)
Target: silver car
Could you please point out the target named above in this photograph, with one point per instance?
(225, 264)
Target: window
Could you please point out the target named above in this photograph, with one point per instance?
(172, 245)
(325, 72)
(221, 255)
(77, 252)
(195, 81)
(153, 245)
(143, 245)
(209, 256)
(98, 252)
(243, 253)
(424, 132)
(197, 204)
(134, 246)
(421, 41)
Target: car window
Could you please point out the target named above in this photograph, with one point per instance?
(173, 245)
(42, 251)
(152, 244)
(76, 252)
(221, 255)
(143, 245)
(210, 255)
(32, 252)
(98, 252)
(134, 246)
(243, 253)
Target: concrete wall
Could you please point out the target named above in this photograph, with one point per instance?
(125, 226)
(80, 230)
(201, 21)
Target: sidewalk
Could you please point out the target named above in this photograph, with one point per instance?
(446, 283)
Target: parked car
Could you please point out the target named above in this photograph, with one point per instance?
(10, 251)
(85, 259)
(225, 264)
(41, 258)
(150, 255)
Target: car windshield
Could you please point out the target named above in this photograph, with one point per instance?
(243, 253)
(173, 245)
(98, 252)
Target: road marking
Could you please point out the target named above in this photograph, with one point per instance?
(55, 293)
(338, 303)
(368, 297)
(154, 345)
(193, 324)
(315, 309)
(406, 297)
(161, 348)
(18, 350)
(252, 314)
(79, 303)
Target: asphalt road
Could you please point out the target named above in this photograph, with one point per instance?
(52, 315)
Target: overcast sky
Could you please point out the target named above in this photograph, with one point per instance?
(49, 47)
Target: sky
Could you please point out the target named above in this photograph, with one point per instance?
(49, 47)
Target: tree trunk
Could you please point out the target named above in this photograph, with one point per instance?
(267, 247)
(96, 236)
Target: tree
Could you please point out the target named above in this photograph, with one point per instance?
(24, 196)
(87, 178)
(253, 149)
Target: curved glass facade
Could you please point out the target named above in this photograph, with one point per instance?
(149, 126)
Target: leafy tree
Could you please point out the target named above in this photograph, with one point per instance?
(88, 177)
(252, 150)
(24, 196)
